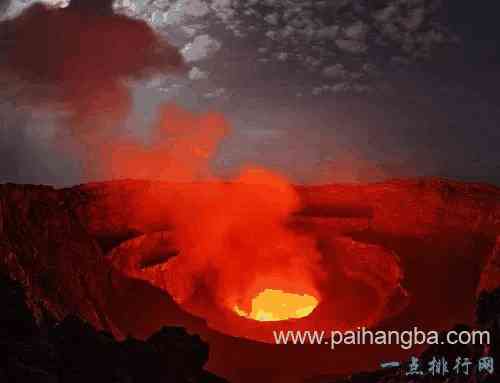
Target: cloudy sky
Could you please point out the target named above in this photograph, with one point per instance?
(332, 90)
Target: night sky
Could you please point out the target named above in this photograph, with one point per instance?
(322, 91)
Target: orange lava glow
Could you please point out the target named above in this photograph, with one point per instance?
(276, 305)
(233, 241)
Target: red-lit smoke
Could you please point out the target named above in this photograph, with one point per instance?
(181, 147)
(82, 54)
(232, 235)
(234, 239)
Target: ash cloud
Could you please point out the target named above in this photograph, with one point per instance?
(74, 62)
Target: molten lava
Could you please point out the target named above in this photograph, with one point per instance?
(276, 305)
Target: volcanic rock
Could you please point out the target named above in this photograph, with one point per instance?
(44, 246)
(412, 208)
(490, 277)
(143, 252)
(61, 246)
(145, 258)
(376, 267)
(74, 351)
(55, 241)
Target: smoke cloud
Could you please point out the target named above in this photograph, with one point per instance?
(232, 235)
(181, 148)
(239, 244)
(75, 62)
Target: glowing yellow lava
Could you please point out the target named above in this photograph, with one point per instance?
(275, 305)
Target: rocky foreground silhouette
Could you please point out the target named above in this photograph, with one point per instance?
(55, 242)
(74, 351)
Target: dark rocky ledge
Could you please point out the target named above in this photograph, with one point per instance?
(73, 351)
